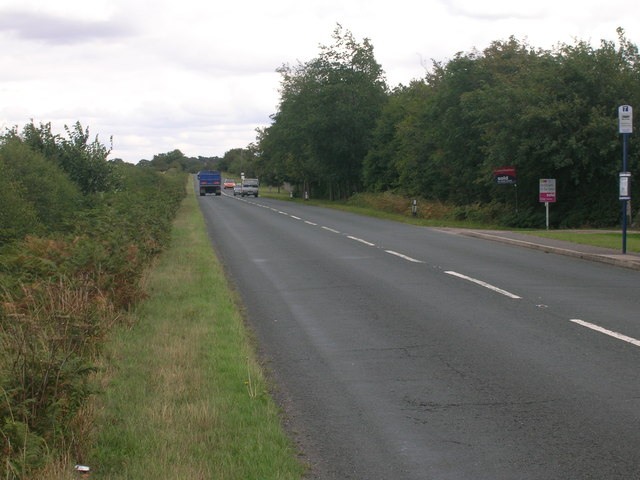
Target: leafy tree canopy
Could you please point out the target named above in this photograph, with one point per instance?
(326, 116)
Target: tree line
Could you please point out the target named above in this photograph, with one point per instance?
(550, 113)
(235, 160)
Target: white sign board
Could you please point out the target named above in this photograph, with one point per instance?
(625, 119)
(547, 190)
(625, 193)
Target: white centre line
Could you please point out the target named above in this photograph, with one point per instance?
(484, 284)
(361, 241)
(310, 223)
(403, 256)
(331, 229)
(611, 333)
(294, 217)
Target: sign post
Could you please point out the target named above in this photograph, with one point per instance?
(547, 195)
(625, 127)
(507, 176)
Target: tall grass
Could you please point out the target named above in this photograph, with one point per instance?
(59, 298)
(186, 397)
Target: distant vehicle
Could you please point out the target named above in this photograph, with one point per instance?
(237, 190)
(249, 187)
(229, 183)
(210, 181)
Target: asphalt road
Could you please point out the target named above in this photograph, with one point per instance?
(403, 352)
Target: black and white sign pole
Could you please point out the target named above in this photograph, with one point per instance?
(625, 123)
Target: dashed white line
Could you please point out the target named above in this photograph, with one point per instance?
(294, 217)
(404, 256)
(611, 333)
(361, 241)
(310, 223)
(484, 284)
(330, 229)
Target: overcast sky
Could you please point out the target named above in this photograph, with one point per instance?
(200, 75)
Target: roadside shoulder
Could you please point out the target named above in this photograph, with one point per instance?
(560, 247)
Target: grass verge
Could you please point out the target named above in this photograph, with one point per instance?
(390, 213)
(186, 397)
(605, 239)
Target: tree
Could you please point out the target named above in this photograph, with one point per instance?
(85, 162)
(551, 114)
(239, 160)
(328, 109)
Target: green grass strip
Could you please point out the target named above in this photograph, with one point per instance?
(186, 397)
(590, 237)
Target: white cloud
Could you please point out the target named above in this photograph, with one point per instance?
(200, 76)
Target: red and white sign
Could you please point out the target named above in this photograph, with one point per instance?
(505, 175)
(547, 190)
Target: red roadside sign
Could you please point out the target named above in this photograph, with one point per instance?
(505, 175)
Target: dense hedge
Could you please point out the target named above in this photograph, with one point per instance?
(71, 261)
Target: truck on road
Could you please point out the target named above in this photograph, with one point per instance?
(210, 181)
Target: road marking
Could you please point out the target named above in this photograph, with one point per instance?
(331, 229)
(484, 284)
(311, 223)
(293, 216)
(361, 241)
(611, 333)
(403, 256)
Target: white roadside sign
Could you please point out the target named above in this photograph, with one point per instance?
(625, 119)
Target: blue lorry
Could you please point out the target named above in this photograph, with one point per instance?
(210, 181)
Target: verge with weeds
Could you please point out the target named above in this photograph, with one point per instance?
(60, 295)
(429, 213)
(186, 396)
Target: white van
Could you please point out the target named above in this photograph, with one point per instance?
(249, 187)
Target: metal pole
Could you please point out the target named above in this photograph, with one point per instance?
(546, 205)
(625, 144)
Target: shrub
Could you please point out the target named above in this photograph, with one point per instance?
(43, 186)
(59, 296)
(17, 217)
(393, 203)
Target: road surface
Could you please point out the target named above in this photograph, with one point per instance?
(403, 352)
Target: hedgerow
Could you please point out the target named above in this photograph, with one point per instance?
(63, 285)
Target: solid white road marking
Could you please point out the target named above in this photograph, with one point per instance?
(403, 256)
(611, 333)
(484, 284)
(361, 241)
